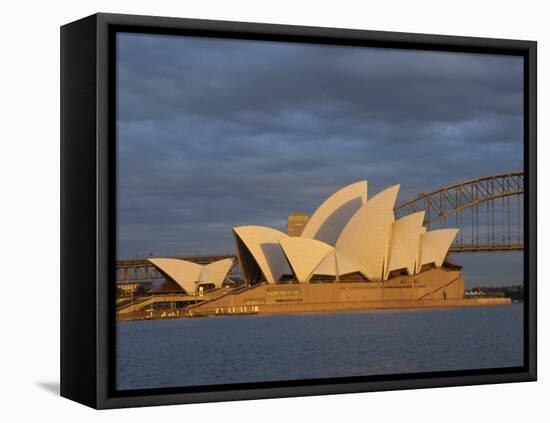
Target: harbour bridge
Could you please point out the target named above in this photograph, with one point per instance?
(488, 211)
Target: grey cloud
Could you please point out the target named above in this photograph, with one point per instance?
(217, 133)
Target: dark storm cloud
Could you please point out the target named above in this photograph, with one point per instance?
(218, 133)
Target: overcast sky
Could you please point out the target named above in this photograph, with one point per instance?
(216, 133)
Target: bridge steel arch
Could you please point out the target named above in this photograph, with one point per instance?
(488, 211)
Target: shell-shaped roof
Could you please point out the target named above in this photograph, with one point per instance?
(366, 237)
(187, 274)
(217, 271)
(263, 244)
(335, 264)
(434, 246)
(184, 273)
(304, 255)
(331, 216)
(405, 243)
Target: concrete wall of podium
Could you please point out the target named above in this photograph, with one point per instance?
(434, 288)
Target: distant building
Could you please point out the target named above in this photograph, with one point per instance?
(297, 221)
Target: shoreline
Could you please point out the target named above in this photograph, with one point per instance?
(333, 307)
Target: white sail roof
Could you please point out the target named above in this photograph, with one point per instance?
(335, 264)
(405, 243)
(304, 255)
(188, 274)
(263, 244)
(434, 246)
(331, 216)
(217, 271)
(365, 239)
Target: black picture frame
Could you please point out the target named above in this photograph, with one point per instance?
(88, 165)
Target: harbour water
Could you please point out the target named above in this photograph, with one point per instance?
(237, 349)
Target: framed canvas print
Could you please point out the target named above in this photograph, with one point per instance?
(255, 211)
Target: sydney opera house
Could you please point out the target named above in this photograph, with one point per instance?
(348, 236)
(351, 254)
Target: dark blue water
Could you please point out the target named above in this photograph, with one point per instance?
(204, 351)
